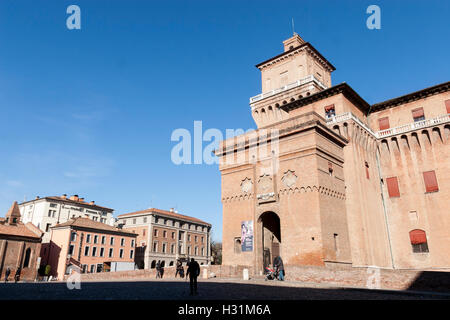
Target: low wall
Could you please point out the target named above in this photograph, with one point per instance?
(342, 276)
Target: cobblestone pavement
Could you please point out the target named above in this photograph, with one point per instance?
(212, 289)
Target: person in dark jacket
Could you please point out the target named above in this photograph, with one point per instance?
(193, 271)
(279, 267)
(158, 269)
(179, 268)
(7, 273)
(17, 275)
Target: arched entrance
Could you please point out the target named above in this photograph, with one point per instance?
(271, 236)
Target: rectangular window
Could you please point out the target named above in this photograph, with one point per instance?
(84, 268)
(88, 238)
(165, 234)
(155, 246)
(155, 232)
(203, 240)
(447, 105)
(203, 251)
(189, 237)
(430, 180)
(47, 227)
(86, 251)
(102, 252)
(122, 242)
(71, 247)
(99, 267)
(112, 241)
(392, 185)
(330, 111)
(121, 253)
(367, 170)
(164, 248)
(94, 251)
(92, 268)
(53, 205)
(418, 114)
(132, 243)
(111, 252)
(145, 220)
(131, 254)
(383, 123)
(103, 239)
(172, 249)
(134, 221)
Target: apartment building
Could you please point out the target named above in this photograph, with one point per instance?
(50, 211)
(167, 236)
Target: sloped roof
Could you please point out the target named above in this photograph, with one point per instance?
(166, 213)
(91, 224)
(74, 202)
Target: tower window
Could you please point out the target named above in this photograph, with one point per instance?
(418, 114)
(367, 170)
(430, 180)
(392, 185)
(330, 111)
(383, 123)
(418, 241)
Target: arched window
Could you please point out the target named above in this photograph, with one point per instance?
(26, 262)
(153, 265)
(418, 241)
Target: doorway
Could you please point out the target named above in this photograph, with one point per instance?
(271, 237)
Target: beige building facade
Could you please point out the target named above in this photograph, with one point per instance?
(167, 236)
(329, 179)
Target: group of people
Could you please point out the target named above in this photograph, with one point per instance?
(16, 275)
(193, 271)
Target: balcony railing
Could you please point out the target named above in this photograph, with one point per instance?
(289, 86)
(391, 131)
(413, 126)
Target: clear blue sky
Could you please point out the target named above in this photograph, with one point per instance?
(91, 111)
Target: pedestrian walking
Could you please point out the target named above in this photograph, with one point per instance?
(7, 273)
(161, 270)
(17, 275)
(279, 267)
(193, 271)
(178, 268)
(158, 269)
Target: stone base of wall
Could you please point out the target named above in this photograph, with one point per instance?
(342, 275)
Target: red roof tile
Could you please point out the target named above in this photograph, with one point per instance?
(88, 223)
(164, 212)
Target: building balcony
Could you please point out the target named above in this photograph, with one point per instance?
(413, 126)
(391, 131)
(289, 86)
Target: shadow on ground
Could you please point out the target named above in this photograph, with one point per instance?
(179, 290)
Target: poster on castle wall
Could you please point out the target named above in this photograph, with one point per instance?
(247, 235)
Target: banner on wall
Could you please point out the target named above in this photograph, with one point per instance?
(247, 235)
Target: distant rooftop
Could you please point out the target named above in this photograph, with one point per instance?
(165, 213)
(90, 224)
(75, 200)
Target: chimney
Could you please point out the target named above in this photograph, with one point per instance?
(64, 196)
(81, 200)
(74, 197)
(37, 197)
(92, 202)
(172, 209)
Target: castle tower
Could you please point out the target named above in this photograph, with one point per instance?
(298, 72)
